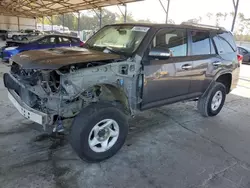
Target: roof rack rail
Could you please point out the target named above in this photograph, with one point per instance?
(203, 25)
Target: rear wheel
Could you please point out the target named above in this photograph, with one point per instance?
(99, 131)
(212, 103)
(14, 37)
(24, 39)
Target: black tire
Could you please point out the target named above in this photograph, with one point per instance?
(204, 103)
(14, 37)
(84, 123)
(24, 39)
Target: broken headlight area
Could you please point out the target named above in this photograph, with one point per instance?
(47, 91)
(48, 80)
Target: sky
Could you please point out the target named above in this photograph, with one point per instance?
(182, 10)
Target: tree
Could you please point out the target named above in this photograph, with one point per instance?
(218, 16)
(194, 20)
(209, 15)
(170, 21)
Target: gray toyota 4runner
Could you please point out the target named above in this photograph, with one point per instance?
(121, 70)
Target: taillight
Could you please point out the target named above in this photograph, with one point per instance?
(240, 58)
(81, 44)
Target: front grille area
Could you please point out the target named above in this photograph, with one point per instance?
(10, 83)
(29, 98)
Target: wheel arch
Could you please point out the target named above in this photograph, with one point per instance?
(226, 80)
(224, 77)
(113, 93)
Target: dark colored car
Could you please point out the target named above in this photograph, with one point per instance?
(122, 69)
(39, 42)
(3, 34)
(245, 52)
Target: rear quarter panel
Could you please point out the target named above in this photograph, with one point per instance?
(229, 65)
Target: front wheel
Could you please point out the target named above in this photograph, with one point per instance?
(99, 131)
(212, 103)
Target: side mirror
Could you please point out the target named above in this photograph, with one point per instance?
(161, 53)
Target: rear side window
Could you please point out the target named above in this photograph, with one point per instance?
(225, 43)
(200, 43)
(222, 45)
(64, 40)
(230, 39)
(74, 40)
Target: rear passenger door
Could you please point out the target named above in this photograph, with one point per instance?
(227, 53)
(204, 56)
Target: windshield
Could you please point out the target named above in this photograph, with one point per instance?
(123, 39)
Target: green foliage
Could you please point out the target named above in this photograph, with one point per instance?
(90, 21)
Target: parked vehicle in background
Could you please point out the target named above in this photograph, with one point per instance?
(245, 52)
(38, 42)
(3, 34)
(23, 34)
(122, 69)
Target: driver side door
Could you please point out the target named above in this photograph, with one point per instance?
(167, 80)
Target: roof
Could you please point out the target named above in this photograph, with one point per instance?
(186, 25)
(39, 8)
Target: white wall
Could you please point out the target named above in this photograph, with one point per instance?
(11, 22)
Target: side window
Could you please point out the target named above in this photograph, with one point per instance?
(174, 40)
(44, 41)
(64, 40)
(74, 40)
(228, 37)
(52, 40)
(222, 45)
(200, 43)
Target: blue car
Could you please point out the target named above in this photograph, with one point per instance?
(36, 43)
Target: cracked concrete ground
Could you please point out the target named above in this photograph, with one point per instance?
(168, 147)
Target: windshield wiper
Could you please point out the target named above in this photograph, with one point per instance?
(112, 50)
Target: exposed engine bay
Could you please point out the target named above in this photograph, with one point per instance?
(65, 91)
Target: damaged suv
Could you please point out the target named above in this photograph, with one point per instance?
(121, 70)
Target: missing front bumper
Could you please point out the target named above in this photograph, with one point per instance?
(27, 112)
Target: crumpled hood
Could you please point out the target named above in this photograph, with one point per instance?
(58, 57)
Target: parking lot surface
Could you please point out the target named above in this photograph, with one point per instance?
(170, 147)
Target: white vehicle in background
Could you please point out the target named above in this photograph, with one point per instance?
(19, 35)
(64, 30)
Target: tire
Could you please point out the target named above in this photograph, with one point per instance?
(205, 106)
(14, 37)
(82, 131)
(24, 39)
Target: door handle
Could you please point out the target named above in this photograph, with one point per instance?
(216, 63)
(186, 67)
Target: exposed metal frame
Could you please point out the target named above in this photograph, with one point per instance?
(31, 8)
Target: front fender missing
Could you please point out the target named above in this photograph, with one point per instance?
(119, 78)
